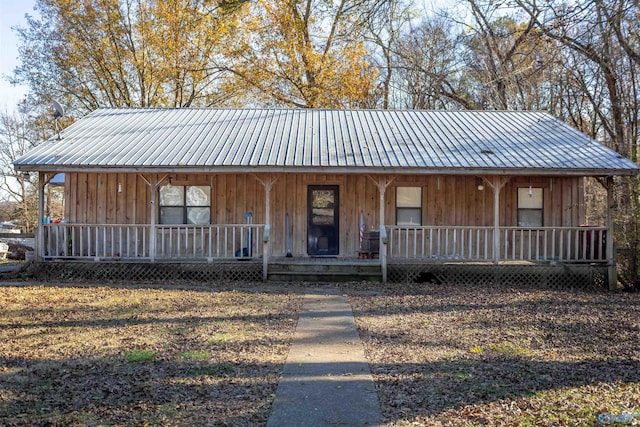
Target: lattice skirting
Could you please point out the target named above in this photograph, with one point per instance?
(193, 272)
(554, 276)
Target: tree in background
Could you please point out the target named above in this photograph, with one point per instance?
(305, 53)
(430, 73)
(19, 132)
(131, 53)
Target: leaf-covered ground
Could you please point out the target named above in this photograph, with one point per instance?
(499, 356)
(171, 355)
(85, 355)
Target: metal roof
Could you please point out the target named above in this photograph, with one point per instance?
(354, 141)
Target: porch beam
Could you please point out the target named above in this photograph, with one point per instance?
(382, 182)
(496, 183)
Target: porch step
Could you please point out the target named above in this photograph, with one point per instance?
(324, 272)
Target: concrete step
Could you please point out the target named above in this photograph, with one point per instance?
(325, 268)
(333, 276)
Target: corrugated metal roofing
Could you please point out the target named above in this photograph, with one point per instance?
(338, 140)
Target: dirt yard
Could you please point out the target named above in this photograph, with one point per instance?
(176, 355)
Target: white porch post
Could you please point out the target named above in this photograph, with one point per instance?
(612, 274)
(496, 183)
(382, 183)
(40, 229)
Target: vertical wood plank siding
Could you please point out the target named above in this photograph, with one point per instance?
(93, 198)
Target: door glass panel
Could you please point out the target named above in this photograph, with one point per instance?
(322, 204)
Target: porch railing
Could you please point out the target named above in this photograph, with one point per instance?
(126, 241)
(224, 241)
(569, 244)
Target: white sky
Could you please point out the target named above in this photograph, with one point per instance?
(11, 14)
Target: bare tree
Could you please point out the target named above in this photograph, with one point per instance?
(17, 136)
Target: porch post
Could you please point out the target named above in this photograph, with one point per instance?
(382, 184)
(612, 274)
(154, 218)
(496, 184)
(40, 223)
(268, 184)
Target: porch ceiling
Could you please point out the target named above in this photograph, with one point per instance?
(331, 141)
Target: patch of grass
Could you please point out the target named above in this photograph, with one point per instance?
(136, 355)
(195, 355)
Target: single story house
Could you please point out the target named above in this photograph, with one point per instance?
(395, 187)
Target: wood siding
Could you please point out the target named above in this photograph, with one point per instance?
(93, 198)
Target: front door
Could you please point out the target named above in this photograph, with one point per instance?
(323, 232)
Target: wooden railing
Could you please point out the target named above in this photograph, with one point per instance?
(130, 242)
(570, 244)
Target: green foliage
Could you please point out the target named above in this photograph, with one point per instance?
(137, 355)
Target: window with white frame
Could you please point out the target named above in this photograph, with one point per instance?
(530, 207)
(185, 204)
(408, 206)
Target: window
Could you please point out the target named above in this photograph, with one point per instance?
(189, 204)
(408, 206)
(530, 207)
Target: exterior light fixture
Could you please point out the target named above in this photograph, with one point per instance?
(170, 181)
(26, 176)
(530, 191)
(119, 187)
(480, 184)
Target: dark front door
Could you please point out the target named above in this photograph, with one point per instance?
(323, 228)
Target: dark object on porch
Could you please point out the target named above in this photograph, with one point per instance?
(247, 252)
(370, 245)
(244, 252)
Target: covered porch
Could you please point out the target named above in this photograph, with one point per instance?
(266, 242)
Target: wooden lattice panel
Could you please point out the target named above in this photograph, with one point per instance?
(231, 271)
(558, 276)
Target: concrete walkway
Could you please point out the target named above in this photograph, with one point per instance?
(326, 380)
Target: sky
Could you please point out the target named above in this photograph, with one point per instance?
(12, 14)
